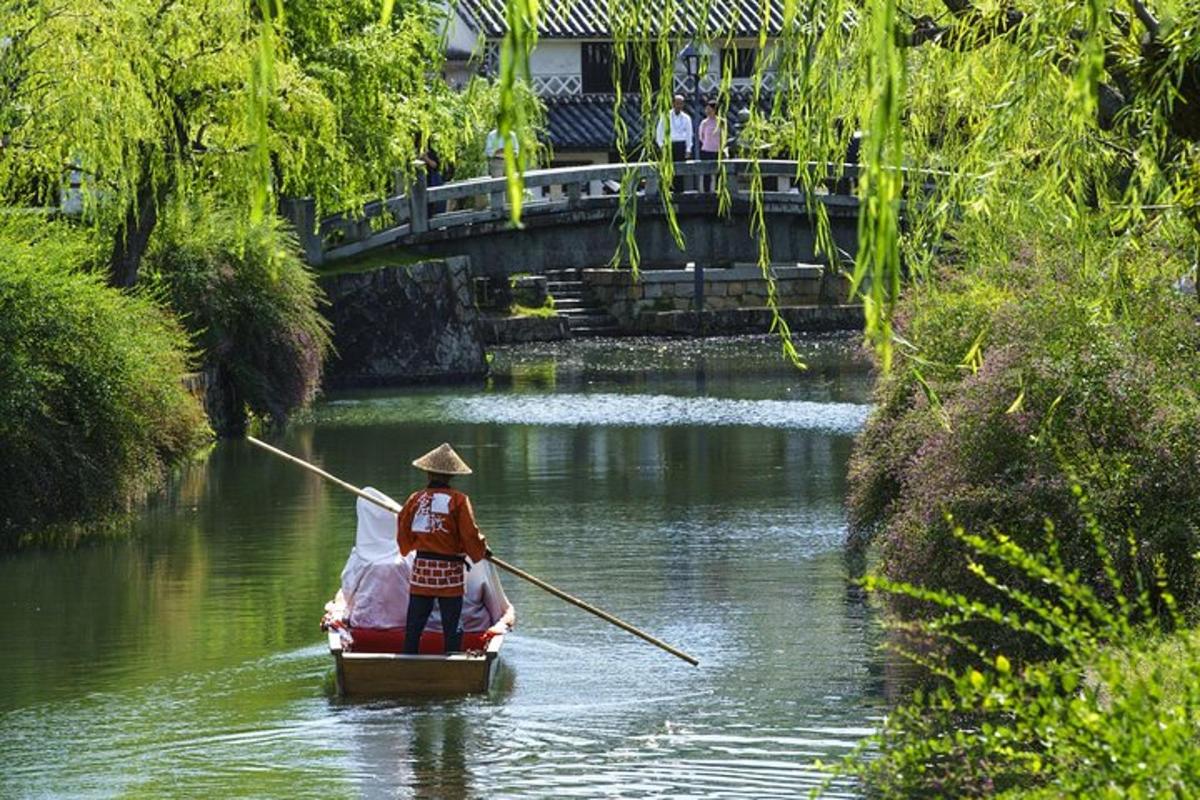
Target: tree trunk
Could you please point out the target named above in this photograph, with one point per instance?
(133, 237)
(225, 408)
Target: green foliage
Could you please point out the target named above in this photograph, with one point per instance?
(543, 312)
(134, 94)
(160, 101)
(1083, 114)
(247, 298)
(1100, 720)
(93, 409)
(389, 101)
(1024, 365)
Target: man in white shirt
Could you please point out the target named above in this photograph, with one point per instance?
(493, 150)
(680, 126)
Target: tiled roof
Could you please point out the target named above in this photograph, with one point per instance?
(588, 19)
(585, 122)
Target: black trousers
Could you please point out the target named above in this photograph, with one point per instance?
(419, 609)
(678, 153)
(710, 181)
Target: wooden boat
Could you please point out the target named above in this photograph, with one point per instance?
(383, 674)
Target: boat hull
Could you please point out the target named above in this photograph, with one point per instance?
(392, 674)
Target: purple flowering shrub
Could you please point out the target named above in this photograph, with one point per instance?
(1016, 390)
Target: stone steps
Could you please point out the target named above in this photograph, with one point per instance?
(568, 289)
(607, 330)
(589, 321)
(560, 275)
(584, 317)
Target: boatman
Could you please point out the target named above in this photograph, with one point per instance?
(439, 523)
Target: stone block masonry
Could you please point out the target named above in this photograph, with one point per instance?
(522, 330)
(404, 324)
(810, 319)
(655, 302)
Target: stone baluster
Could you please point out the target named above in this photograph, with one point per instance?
(496, 197)
(651, 184)
(418, 205)
(301, 212)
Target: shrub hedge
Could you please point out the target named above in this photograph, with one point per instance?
(251, 304)
(1030, 376)
(93, 410)
(1099, 720)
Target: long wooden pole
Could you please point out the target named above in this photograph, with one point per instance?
(504, 565)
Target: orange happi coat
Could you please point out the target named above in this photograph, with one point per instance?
(439, 520)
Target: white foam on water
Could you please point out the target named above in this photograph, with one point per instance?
(638, 410)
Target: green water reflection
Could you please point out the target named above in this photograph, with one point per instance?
(187, 661)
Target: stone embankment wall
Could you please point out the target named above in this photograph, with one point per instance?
(404, 324)
(733, 299)
(523, 330)
(419, 322)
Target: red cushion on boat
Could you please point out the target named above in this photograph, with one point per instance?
(391, 640)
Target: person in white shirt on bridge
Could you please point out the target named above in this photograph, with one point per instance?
(679, 123)
(493, 150)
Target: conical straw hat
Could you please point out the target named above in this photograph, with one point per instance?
(442, 460)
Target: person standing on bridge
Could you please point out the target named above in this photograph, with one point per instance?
(711, 140)
(439, 523)
(493, 151)
(679, 125)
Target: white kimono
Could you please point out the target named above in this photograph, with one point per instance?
(484, 601)
(375, 578)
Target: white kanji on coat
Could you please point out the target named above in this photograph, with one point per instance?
(430, 517)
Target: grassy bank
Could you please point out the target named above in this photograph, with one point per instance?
(251, 306)
(93, 412)
(1034, 370)
(1114, 713)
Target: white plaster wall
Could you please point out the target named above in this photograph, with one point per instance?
(556, 58)
(459, 34)
(576, 156)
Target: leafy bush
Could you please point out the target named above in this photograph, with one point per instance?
(251, 304)
(92, 405)
(1100, 720)
(1021, 370)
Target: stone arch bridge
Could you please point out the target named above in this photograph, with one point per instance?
(571, 219)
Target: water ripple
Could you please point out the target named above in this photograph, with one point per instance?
(657, 411)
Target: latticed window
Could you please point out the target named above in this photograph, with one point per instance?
(741, 61)
(597, 60)
(489, 67)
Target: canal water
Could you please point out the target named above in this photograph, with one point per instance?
(695, 489)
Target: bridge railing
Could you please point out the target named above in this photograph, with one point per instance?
(406, 217)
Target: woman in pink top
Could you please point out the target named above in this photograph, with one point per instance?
(712, 139)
